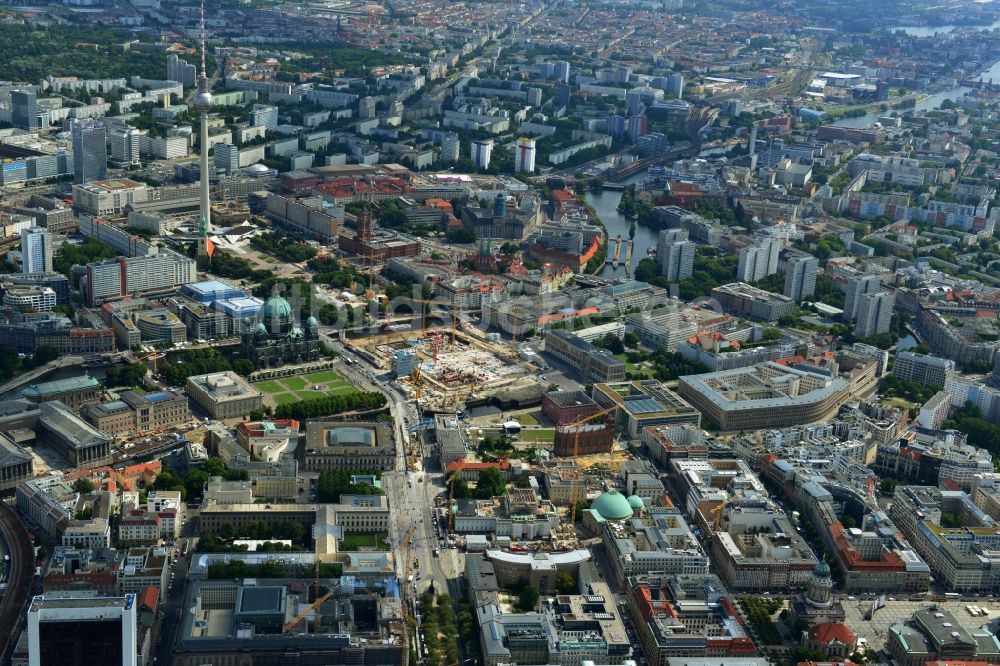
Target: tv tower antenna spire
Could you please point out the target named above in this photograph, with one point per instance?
(204, 74)
(202, 101)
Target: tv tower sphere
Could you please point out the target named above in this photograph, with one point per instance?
(202, 100)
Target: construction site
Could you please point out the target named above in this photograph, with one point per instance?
(226, 617)
(451, 367)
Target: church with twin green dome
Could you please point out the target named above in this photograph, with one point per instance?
(275, 340)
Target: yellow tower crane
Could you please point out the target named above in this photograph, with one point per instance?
(155, 356)
(576, 454)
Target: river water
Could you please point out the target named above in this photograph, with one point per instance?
(606, 205)
(929, 104)
(930, 31)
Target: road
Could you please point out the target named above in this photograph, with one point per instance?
(36, 373)
(170, 611)
(411, 493)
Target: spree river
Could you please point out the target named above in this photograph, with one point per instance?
(606, 205)
(929, 104)
(606, 202)
(930, 31)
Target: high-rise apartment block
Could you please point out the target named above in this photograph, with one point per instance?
(676, 254)
(90, 151)
(759, 260)
(125, 146)
(181, 71)
(874, 314)
(524, 156)
(563, 93)
(481, 153)
(561, 71)
(157, 273)
(800, 277)
(24, 109)
(450, 148)
(856, 288)
(226, 156)
(264, 116)
(675, 85)
(36, 250)
(922, 368)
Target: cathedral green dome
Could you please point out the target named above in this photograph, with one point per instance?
(636, 503)
(612, 505)
(311, 322)
(275, 308)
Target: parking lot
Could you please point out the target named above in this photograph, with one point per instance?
(897, 612)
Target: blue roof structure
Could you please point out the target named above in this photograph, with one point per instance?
(240, 307)
(210, 291)
(643, 405)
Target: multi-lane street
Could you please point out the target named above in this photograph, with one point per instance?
(414, 535)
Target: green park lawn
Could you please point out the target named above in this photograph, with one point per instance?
(297, 388)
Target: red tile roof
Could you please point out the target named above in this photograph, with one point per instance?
(458, 465)
(149, 598)
(829, 632)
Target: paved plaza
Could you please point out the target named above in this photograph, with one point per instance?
(897, 612)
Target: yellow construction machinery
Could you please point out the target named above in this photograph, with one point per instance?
(313, 607)
(155, 356)
(576, 454)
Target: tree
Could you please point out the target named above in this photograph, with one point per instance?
(129, 375)
(527, 600)
(888, 486)
(43, 354)
(194, 483)
(611, 342)
(490, 484)
(243, 367)
(9, 363)
(167, 480)
(461, 235)
(83, 486)
(565, 583)
(334, 483)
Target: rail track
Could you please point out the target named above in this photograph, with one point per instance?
(19, 580)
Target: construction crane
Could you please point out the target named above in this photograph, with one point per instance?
(717, 511)
(576, 454)
(320, 599)
(155, 356)
(417, 380)
(313, 607)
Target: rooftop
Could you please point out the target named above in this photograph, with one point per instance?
(261, 599)
(60, 386)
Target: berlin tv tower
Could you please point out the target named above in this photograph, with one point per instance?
(202, 101)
